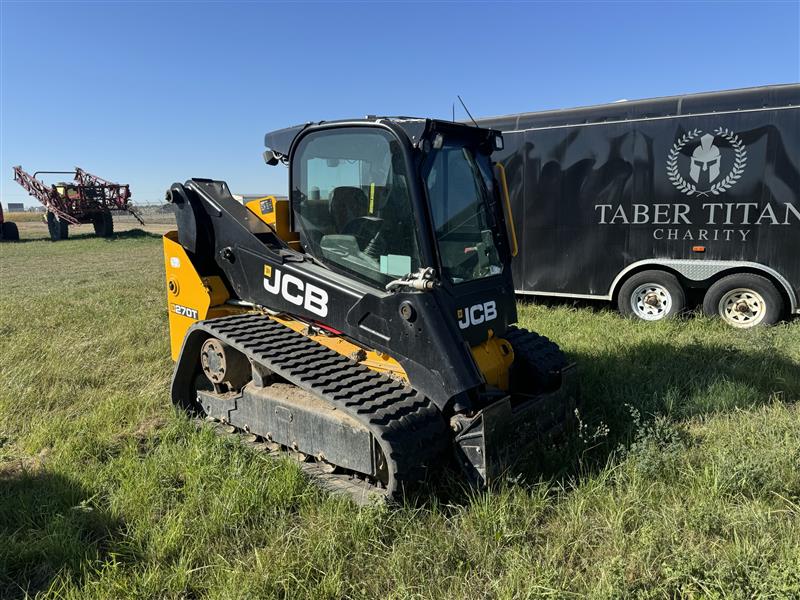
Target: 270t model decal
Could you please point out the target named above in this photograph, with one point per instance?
(184, 311)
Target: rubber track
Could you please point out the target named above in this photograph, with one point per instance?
(541, 355)
(408, 427)
(542, 358)
(359, 490)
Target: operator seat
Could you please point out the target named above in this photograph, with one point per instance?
(347, 203)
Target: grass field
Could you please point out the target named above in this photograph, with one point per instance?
(684, 482)
(32, 226)
(24, 217)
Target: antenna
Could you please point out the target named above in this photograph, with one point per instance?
(466, 109)
(454, 112)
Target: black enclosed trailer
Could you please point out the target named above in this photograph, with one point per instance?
(639, 202)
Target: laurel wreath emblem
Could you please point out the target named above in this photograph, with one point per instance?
(687, 187)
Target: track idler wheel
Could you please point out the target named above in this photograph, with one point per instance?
(224, 366)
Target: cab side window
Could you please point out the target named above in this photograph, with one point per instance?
(351, 203)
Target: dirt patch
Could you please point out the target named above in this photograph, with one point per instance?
(23, 464)
(149, 426)
(144, 435)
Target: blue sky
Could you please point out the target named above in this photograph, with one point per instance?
(148, 93)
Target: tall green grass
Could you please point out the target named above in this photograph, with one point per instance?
(684, 480)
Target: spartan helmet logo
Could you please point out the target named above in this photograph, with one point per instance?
(704, 164)
(705, 157)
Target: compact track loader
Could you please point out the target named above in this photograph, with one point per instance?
(366, 324)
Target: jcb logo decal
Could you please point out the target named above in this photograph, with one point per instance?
(477, 314)
(184, 311)
(293, 289)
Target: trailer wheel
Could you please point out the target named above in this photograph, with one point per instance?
(103, 224)
(744, 300)
(10, 233)
(651, 296)
(58, 228)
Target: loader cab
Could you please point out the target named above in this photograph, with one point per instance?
(380, 201)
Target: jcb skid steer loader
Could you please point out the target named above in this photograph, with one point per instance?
(365, 325)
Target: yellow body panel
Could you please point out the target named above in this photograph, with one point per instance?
(494, 358)
(191, 298)
(276, 214)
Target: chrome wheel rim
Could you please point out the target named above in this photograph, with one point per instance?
(742, 308)
(651, 301)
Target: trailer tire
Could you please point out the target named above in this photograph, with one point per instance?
(651, 296)
(744, 300)
(103, 224)
(10, 233)
(58, 228)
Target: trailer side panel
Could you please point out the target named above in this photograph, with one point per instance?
(592, 199)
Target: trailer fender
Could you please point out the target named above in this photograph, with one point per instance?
(704, 270)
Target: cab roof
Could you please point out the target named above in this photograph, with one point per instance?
(416, 128)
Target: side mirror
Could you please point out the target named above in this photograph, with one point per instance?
(271, 158)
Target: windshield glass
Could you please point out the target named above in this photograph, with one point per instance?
(459, 198)
(352, 203)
